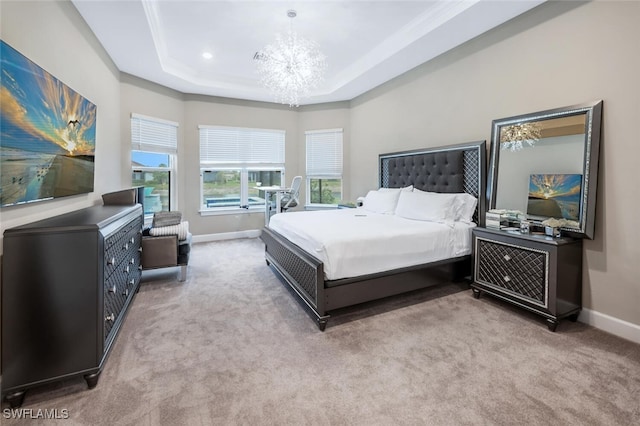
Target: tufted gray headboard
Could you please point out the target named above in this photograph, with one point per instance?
(454, 168)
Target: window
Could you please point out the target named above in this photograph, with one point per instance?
(324, 167)
(235, 162)
(153, 161)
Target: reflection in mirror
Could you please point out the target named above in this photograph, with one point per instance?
(545, 166)
(543, 156)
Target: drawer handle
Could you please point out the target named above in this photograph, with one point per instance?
(126, 269)
(125, 292)
(507, 257)
(140, 249)
(139, 267)
(126, 246)
(132, 240)
(111, 317)
(112, 289)
(132, 281)
(506, 278)
(111, 261)
(132, 261)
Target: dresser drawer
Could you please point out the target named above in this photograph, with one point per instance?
(122, 281)
(122, 246)
(522, 272)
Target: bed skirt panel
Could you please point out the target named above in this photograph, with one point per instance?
(391, 283)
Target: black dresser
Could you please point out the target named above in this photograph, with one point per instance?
(67, 283)
(537, 272)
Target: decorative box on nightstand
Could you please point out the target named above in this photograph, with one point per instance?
(537, 272)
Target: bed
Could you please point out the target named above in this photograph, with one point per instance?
(334, 273)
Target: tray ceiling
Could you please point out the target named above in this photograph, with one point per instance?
(366, 42)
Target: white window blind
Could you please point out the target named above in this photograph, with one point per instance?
(153, 134)
(226, 145)
(324, 153)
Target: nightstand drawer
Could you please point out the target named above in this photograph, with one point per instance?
(522, 272)
(533, 271)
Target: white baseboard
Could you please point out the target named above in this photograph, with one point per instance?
(252, 233)
(610, 324)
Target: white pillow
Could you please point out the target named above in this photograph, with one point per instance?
(466, 207)
(381, 201)
(406, 188)
(428, 206)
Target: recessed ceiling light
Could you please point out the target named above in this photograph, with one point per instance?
(207, 55)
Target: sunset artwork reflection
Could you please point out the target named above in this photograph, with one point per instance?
(555, 195)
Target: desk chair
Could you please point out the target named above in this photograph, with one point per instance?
(290, 199)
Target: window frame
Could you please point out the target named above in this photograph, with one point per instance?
(170, 169)
(245, 167)
(310, 138)
(321, 177)
(166, 144)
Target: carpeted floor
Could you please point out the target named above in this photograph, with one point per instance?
(231, 346)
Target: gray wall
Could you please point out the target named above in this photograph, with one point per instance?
(55, 37)
(326, 116)
(556, 55)
(226, 112)
(142, 97)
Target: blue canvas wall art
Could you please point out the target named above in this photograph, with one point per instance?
(47, 134)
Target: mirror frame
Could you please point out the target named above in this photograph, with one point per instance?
(593, 111)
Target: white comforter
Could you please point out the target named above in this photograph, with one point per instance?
(354, 242)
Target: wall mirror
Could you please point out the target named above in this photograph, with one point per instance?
(545, 165)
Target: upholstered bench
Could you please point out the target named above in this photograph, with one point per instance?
(164, 251)
(171, 244)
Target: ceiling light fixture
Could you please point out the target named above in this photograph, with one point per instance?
(207, 55)
(513, 137)
(290, 67)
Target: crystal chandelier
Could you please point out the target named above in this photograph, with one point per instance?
(291, 67)
(515, 136)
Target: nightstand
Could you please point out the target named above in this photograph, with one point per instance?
(536, 272)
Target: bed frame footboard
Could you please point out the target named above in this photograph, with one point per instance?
(301, 271)
(454, 168)
(304, 274)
